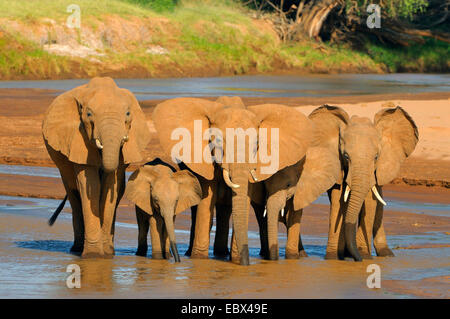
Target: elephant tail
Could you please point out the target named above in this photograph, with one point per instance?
(55, 215)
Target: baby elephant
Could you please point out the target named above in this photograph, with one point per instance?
(160, 193)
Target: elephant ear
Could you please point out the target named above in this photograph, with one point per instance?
(295, 133)
(138, 188)
(174, 123)
(139, 134)
(322, 167)
(320, 172)
(399, 137)
(63, 130)
(190, 190)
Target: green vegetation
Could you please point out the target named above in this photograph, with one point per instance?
(202, 38)
(432, 56)
(157, 5)
(22, 58)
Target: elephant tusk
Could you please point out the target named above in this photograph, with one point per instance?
(98, 144)
(377, 195)
(265, 212)
(282, 212)
(226, 177)
(253, 173)
(347, 192)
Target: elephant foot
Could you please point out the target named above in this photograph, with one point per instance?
(158, 255)
(384, 252)
(221, 253)
(142, 251)
(108, 250)
(292, 255)
(332, 255)
(91, 254)
(76, 249)
(365, 254)
(263, 253)
(235, 260)
(302, 253)
(199, 255)
(273, 252)
(167, 254)
(92, 251)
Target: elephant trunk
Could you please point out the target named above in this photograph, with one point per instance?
(240, 212)
(168, 216)
(111, 139)
(274, 205)
(359, 189)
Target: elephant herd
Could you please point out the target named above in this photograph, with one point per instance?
(94, 131)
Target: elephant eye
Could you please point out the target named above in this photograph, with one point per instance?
(376, 157)
(128, 113)
(89, 114)
(346, 156)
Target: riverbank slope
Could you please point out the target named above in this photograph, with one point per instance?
(197, 38)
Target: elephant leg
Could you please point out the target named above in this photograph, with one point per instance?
(223, 214)
(77, 221)
(192, 234)
(112, 188)
(203, 222)
(381, 247)
(275, 203)
(379, 241)
(301, 249)
(364, 233)
(262, 223)
(143, 221)
(336, 240)
(294, 245)
(66, 170)
(88, 183)
(157, 236)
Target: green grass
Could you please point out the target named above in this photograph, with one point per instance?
(201, 35)
(32, 10)
(19, 56)
(432, 56)
(156, 5)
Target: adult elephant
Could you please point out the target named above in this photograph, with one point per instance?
(370, 155)
(197, 121)
(92, 133)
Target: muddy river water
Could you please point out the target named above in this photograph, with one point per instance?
(264, 86)
(34, 258)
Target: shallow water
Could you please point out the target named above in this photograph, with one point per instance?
(434, 209)
(34, 258)
(264, 86)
